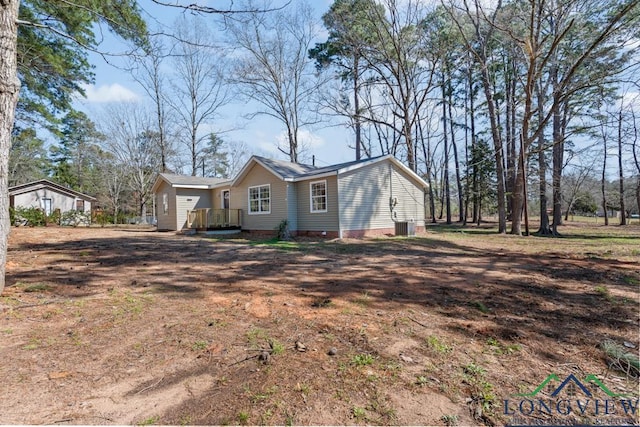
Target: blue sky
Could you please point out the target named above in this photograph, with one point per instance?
(329, 142)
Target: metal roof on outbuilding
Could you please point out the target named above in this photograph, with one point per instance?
(45, 183)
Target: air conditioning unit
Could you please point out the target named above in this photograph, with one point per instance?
(405, 228)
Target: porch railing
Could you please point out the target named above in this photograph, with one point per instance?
(214, 218)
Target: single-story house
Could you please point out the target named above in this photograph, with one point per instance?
(354, 199)
(49, 197)
(177, 195)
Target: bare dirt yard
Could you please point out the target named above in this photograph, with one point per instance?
(132, 326)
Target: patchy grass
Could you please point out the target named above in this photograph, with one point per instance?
(437, 345)
(37, 287)
(498, 347)
(362, 360)
(199, 345)
(149, 421)
(174, 326)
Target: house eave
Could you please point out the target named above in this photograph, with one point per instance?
(37, 185)
(160, 179)
(393, 160)
(247, 167)
(312, 176)
(192, 186)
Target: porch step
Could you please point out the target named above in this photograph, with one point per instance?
(219, 232)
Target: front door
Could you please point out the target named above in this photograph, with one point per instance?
(47, 206)
(225, 205)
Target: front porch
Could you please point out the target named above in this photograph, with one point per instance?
(212, 219)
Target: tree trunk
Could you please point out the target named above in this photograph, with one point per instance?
(455, 159)
(635, 158)
(497, 146)
(623, 213)
(426, 150)
(603, 183)
(9, 89)
(441, 215)
(356, 105)
(194, 154)
(544, 229)
(161, 135)
(474, 179)
(558, 160)
(510, 142)
(447, 190)
(411, 153)
(638, 194)
(293, 144)
(469, 94)
(569, 206)
(143, 211)
(518, 198)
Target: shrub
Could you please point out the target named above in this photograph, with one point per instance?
(75, 218)
(282, 230)
(34, 217)
(102, 218)
(55, 217)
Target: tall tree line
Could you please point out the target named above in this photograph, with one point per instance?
(483, 100)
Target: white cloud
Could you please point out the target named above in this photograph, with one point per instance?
(109, 93)
(310, 140)
(306, 140)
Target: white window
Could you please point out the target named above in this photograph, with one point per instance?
(260, 199)
(165, 204)
(318, 193)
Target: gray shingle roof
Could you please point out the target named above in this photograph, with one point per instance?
(286, 169)
(295, 170)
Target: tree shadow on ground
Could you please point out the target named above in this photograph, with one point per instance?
(521, 295)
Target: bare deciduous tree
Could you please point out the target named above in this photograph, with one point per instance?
(199, 86)
(131, 140)
(397, 56)
(149, 73)
(273, 67)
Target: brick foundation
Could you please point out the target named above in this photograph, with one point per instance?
(375, 232)
(309, 233)
(347, 234)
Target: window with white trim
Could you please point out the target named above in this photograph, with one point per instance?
(260, 199)
(318, 194)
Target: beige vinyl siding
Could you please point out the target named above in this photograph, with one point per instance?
(257, 176)
(35, 199)
(318, 221)
(168, 221)
(365, 194)
(188, 199)
(410, 206)
(216, 197)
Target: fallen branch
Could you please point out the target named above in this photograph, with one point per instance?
(421, 324)
(151, 386)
